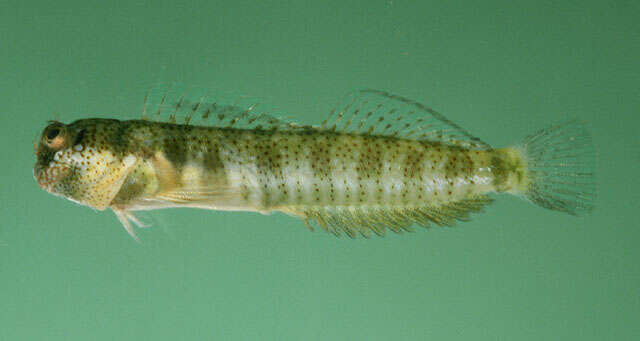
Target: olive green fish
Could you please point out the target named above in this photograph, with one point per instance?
(377, 162)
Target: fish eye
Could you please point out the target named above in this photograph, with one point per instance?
(54, 136)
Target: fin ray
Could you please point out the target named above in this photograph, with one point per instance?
(125, 217)
(560, 168)
(381, 113)
(205, 194)
(363, 220)
(177, 104)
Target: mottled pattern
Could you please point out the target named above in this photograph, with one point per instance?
(131, 165)
(89, 166)
(380, 162)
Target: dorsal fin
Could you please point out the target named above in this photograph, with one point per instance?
(175, 103)
(377, 112)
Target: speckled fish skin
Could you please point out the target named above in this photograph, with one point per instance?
(346, 181)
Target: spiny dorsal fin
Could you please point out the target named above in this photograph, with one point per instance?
(175, 103)
(354, 220)
(381, 113)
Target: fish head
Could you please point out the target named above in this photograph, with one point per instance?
(80, 161)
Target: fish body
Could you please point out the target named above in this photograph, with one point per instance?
(381, 162)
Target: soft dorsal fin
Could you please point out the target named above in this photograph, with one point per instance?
(175, 103)
(381, 113)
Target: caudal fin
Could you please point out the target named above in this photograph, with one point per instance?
(560, 167)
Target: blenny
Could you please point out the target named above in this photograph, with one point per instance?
(378, 161)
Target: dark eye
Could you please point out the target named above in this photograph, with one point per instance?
(53, 133)
(79, 137)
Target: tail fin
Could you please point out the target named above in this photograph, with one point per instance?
(560, 167)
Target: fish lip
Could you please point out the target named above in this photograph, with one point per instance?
(45, 177)
(37, 175)
(37, 170)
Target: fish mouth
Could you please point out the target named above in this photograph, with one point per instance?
(37, 175)
(47, 177)
(37, 170)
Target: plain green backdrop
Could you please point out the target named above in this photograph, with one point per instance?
(501, 69)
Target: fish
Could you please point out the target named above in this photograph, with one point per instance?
(377, 162)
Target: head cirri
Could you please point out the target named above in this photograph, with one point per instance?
(77, 161)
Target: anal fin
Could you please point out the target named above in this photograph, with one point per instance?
(354, 220)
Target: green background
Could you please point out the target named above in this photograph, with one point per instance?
(499, 69)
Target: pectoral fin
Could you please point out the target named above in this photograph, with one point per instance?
(175, 186)
(104, 189)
